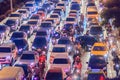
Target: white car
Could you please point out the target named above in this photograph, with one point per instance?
(59, 50)
(28, 57)
(62, 62)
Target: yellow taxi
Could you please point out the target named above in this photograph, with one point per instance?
(92, 12)
(99, 48)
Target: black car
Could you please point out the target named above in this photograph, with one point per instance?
(18, 34)
(86, 42)
(27, 29)
(40, 44)
(21, 44)
(67, 27)
(97, 62)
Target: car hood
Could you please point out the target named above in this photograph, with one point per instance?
(59, 54)
(99, 52)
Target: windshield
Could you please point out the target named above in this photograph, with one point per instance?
(32, 22)
(97, 62)
(35, 17)
(60, 61)
(29, 5)
(94, 12)
(60, 5)
(42, 33)
(17, 35)
(10, 22)
(54, 16)
(5, 50)
(54, 76)
(24, 28)
(96, 30)
(21, 11)
(63, 41)
(99, 48)
(28, 57)
(58, 49)
(70, 19)
(20, 43)
(45, 24)
(95, 76)
(14, 15)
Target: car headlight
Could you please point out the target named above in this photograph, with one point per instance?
(32, 65)
(20, 49)
(104, 68)
(45, 47)
(28, 31)
(66, 70)
(12, 26)
(105, 55)
(33, 47)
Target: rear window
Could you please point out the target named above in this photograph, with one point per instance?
(99, 48)
(60, 61)
(28, 57)
(58, 49)
(92, 12)
(5, 49)
(54, 76)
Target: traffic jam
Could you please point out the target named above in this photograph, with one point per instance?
(48, 40)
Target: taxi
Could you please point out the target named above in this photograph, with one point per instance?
(99, 48)
(92, 12)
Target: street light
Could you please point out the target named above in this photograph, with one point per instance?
(11, 5)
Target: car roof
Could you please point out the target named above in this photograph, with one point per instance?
(59, 45)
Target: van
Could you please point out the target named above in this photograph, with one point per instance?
(12, 73)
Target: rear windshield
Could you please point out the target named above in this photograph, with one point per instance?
(92, 12)
(5, 49)
(58, 49)
(60, 61)
(28, 57)
(54, 76)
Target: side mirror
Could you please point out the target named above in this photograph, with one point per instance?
(86, 62)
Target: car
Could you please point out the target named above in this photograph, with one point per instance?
(96, 75)
(44, 33)
(99, 48)
(97, 32)
(4, 32)
(66, 41)
(21, 44)
(34, 24)
(54, 74)
(17, 16)
(18, 34)
(62, 62)
(56, 17)
(59, 50)
(12, 24)
(28, 57)
(42, 15)
(97, 62)
(86, 42)
(36, 17)
(40, 44)
(25, 13)
(31, 5)
(8, 54)
(27, 29)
